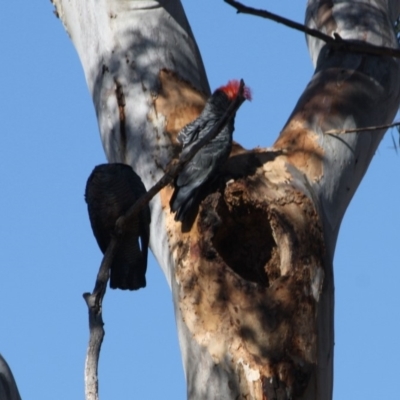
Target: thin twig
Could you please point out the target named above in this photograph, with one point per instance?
(363, 129)
(336, 41)
(94, 300)
(394, 144)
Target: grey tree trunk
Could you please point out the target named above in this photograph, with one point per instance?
(252, 278)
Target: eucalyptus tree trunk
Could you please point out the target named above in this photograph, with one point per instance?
(252, 277)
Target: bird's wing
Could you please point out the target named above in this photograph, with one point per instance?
(102, 221)
(197, 171)
(207, 159)
(189, 133)
(137, 186)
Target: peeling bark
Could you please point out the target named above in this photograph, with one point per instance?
(252, 276)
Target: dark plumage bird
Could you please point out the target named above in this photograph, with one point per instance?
(207, 162)
(110, 191)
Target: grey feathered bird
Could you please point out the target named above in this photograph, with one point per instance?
(110, 191)
(205, 165)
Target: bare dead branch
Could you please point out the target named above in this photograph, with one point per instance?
(94, 303)
(94, 300)
(93, 350)
(363, 129)
(335, 41)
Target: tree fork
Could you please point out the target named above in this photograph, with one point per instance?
(252, 277)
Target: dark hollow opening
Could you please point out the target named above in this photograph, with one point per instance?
(244, 240)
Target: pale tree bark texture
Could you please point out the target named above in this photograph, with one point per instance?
(252, 277)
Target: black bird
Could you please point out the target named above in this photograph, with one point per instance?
(110, 191)
(207, 162)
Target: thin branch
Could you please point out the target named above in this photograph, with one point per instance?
(94, 300)
(94, 303)
(394, 144)
(93, 351)
(363, 129)
(336, 41)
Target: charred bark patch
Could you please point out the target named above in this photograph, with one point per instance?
(274, 389)
(119, 93)
(288, 382)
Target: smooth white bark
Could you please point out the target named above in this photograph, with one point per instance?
(356, 91)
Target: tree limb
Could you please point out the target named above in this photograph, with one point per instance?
(335, 41)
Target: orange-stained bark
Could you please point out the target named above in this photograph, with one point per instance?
(178, 101)
(301, 148)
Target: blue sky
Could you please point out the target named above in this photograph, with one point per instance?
(49, 143)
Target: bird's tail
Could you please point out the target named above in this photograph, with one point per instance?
(183, 201)
(128, 268)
